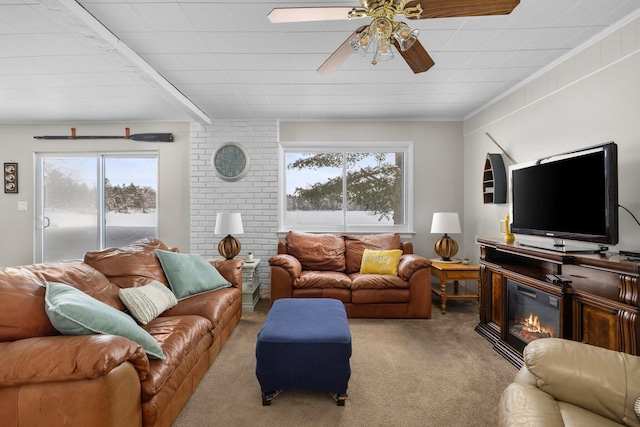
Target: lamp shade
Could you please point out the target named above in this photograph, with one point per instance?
(228, 224)
(445, 222)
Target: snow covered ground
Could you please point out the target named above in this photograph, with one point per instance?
(64, 219)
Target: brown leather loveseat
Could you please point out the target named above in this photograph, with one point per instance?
(106, 380)
(329, 266)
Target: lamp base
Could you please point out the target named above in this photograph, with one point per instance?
(446, 247)
(229, 247)
(446, 261)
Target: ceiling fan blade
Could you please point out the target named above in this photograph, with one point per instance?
(306, 14)
(341, 54)
(458, 8)
(416, 57)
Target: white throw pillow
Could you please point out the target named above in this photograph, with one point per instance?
(147, 302)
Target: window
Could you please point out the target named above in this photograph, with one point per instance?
(353, 187)
(93, 201)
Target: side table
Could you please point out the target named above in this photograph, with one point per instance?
(250, 284)
(447, 272)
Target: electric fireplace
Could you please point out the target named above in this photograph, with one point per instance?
(531, 314)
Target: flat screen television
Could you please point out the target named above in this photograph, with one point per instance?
(572, 196)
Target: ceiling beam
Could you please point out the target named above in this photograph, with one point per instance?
(77, 16)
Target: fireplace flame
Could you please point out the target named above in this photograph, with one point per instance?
(532, 329)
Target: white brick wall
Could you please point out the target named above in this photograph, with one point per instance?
(255, 196)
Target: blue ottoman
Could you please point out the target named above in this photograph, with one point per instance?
(305, 344)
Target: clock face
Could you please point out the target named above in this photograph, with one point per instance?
(230, 161)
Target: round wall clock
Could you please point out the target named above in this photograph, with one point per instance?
(230, 161)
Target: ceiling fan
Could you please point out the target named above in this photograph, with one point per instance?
(384, 31)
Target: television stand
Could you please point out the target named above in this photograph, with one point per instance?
(600, 306)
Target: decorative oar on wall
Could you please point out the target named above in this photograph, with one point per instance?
(144, 137)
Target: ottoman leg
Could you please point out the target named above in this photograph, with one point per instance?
(268, 397)
(339, 398)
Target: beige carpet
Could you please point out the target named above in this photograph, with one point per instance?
(436, 372)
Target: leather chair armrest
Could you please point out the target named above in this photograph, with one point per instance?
(289, 263)
(565, 369)
(525, 377)
(67, 358)
(524, 405)
(410, 263)
(231, 269)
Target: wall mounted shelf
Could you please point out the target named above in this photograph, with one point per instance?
(494, 180)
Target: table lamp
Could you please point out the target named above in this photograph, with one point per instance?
(228, 224)
(445, 222)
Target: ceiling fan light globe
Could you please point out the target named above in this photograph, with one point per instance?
(384, 52)
(380, 29)
(405, 36)
(360, 43)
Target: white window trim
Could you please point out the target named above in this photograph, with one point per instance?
(406, 230)
(100, 157)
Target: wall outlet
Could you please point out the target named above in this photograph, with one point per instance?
(22, 206)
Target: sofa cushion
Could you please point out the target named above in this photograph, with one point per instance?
(22, 313)
(322, 279)
(377, 281)
(72, 312)
(132, 265)
(190, 274)
(211, 305)
(147, 302)
(322, 252)
(356, 244)
(184, 339)
(380, 262)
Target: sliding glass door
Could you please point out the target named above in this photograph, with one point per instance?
(92, 201)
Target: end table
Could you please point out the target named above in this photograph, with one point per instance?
(250, 285)
(455, 272)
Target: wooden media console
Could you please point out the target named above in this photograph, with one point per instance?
(599, 304)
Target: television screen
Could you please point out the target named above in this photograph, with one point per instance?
(571, 196)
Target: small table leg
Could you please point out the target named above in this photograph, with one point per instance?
(443, 296)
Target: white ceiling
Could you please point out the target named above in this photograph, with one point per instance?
(140, 60)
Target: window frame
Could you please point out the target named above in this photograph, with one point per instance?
(405, 147)
(100, 157)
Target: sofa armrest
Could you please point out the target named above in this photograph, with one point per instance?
(231, 269)
(525, 405)
(525, 377)
(410, 263)
(565, 369)
(289, 263)
(67, 358)
(285, 270)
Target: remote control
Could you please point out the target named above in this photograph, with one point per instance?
(563, 279)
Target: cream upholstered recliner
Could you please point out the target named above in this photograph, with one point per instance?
(568, 383)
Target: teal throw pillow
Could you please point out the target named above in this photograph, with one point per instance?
(190, 274)
(72, 312)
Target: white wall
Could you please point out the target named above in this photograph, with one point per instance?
(18, 145)
(438, 171)
(255, 196)
(591, 98)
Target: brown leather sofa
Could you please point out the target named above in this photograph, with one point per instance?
(568, 383)
(312, 265)
(106, 380)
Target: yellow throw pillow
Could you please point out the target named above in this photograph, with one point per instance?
(380, 262)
